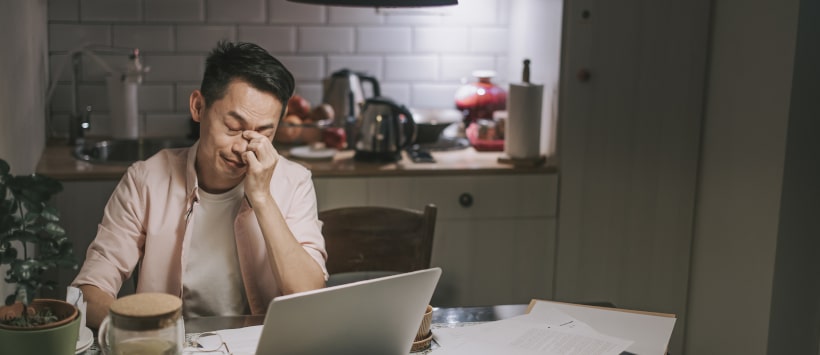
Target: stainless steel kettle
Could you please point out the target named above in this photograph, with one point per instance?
(344, 92)
(383, 129)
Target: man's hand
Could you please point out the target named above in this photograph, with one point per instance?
(261, 159)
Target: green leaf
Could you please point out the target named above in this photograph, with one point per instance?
(51, 214)
(54, 230)
(4, 167)
(31, 218)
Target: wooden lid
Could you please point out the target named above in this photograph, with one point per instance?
(145, 311)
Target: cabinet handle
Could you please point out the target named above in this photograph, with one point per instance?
(465, 200)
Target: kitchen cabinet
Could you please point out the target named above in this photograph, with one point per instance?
(631, 106)
(495, 234)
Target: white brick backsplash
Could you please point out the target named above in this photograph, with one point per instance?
(440, 40)
(415, 16)
(175, 68)
(457, 67)
(146, 38)
(56, 61)
(100, 124)
(418, 55)
(283, 11)
(326, 39)
(434, 95)
(383, 40)
(67, 37)
(372, 65)
(95, 95)
(92, 70)
(477, 12)
(174, 10)
(182, 95)
(202, 38)
(274, 39)
(239, 11)
(398, 92)
(489, 40)
(155, 97)
(166, 125)
(63, 10)
(353, 15)
(411, 68)
(58, 124)
(305, 67)
(311, 92)
(110, 10)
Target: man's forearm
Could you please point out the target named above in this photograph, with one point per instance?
(98, 304)
(293, 267)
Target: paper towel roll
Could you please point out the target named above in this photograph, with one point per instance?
(522, 137)
(122, 96)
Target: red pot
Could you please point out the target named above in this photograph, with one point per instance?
(480, 99)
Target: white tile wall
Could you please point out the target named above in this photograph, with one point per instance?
(174, 11)
(419, 56)
(326, 39)
(274, 39)
(384, 40)
(440, 40)
(202, 38)
(110, 10)
(146, 38)
(237, 11)
(283, 11)
(63, 10)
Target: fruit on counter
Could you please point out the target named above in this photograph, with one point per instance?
(299, 106)
(289, 130)
(323, 112)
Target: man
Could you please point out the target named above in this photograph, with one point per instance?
(227, 224)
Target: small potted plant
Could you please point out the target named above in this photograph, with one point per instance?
(32, 243)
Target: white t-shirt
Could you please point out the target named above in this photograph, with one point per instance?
(211, 281)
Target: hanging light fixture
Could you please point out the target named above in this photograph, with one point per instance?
(380, 3)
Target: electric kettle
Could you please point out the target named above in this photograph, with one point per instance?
(344, 92)
(383, 129)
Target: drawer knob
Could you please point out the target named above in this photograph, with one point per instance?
(465, 200)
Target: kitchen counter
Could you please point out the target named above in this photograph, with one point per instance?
(57, 162)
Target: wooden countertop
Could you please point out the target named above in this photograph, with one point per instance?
(58, 162)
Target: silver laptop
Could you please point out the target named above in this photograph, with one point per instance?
(377, 316)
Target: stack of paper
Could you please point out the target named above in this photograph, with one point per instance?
(561, 328)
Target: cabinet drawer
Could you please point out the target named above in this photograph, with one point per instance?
(470, 196)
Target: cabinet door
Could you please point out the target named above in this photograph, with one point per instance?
(340, 192)
(494, 261)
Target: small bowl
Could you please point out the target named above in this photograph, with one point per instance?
(423, 344)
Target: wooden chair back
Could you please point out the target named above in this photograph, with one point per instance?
(365, 239)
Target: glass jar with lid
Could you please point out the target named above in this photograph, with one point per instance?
(143, 323)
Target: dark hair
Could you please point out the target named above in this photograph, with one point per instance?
(247, 62)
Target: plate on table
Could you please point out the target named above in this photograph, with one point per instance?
(85, 340)
(308, 152)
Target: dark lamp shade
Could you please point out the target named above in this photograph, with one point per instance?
(380, 3)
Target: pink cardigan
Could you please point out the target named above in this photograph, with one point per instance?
(150, 216)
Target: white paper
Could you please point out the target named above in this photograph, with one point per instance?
(651, 333)
(548, 331)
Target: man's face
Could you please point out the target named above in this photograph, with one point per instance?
(219, 162)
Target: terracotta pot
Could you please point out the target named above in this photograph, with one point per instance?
(64, 311)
